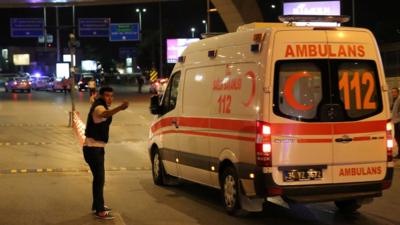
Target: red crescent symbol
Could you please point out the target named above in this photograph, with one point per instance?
(250, 74)
(288, 92)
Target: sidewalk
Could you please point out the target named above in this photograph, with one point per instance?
(396, 163)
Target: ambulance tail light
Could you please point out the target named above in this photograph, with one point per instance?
(263, 144)
(274, 191)
(389, 141)
(386, 184)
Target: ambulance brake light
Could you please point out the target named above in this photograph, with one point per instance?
(263, 144)
(266, 130)
(389, 141)
(386, 184)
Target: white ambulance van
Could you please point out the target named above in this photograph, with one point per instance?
(277, 111)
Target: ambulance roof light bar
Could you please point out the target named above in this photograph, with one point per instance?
(313, 18)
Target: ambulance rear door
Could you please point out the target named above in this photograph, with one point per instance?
(302, 149)
(359, 143)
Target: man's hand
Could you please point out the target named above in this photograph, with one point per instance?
(124, 105)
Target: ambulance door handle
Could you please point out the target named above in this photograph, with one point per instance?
(344, 140)
(175, 122)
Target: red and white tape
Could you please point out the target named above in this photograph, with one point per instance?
(79, 126)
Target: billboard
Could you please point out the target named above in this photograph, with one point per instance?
(89, 65)
(176, 46)
(21, 59)
(62, 70)
(67, 58)
(321, 8)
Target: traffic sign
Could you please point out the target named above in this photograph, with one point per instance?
(94, 27)
(26, 27)
(49, 39)
(124, 32)
(153, 75)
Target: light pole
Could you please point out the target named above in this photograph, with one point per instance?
(140, 11)
(72, 45)
(205, 26)
(192, 30)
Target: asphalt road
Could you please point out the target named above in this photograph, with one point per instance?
(44, 179)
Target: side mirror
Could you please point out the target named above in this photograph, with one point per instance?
(155, 107)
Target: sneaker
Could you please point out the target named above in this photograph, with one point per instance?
(106, 208)
(104, 215)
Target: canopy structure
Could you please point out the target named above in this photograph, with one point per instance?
(41, 3)
(233, 12)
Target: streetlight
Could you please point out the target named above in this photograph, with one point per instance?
(140, 11)
(193, 30)
(205, 26)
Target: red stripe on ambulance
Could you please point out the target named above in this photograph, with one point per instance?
(276, 128)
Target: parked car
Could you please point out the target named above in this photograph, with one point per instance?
(17, 84)
(56, 84)
(83, 82)
(40, 83)
(6, 76)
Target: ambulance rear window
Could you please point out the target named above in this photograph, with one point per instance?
(326, 90)
(358, 86)
(300, 90)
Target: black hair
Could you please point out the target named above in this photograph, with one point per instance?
(105, 89)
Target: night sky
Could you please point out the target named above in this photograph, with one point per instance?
(177, 19)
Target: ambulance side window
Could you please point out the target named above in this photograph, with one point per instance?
(171, 93)
(298, 90)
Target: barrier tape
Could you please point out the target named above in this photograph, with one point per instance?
(78, 126)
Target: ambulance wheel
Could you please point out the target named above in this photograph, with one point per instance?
(230, 190)
(348, 206)
(158, 169)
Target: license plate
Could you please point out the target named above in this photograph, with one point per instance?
(305, 174)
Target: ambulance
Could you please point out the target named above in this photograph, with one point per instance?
(277, 111)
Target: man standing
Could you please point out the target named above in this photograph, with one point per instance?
(395, 95)
(395, 107)
(92, 86)
(97, 130)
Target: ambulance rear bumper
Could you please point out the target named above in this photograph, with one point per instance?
(266, 187)
(307, 194)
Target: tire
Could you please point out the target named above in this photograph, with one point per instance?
(158, 171)
(230, 188)
(348, 206)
